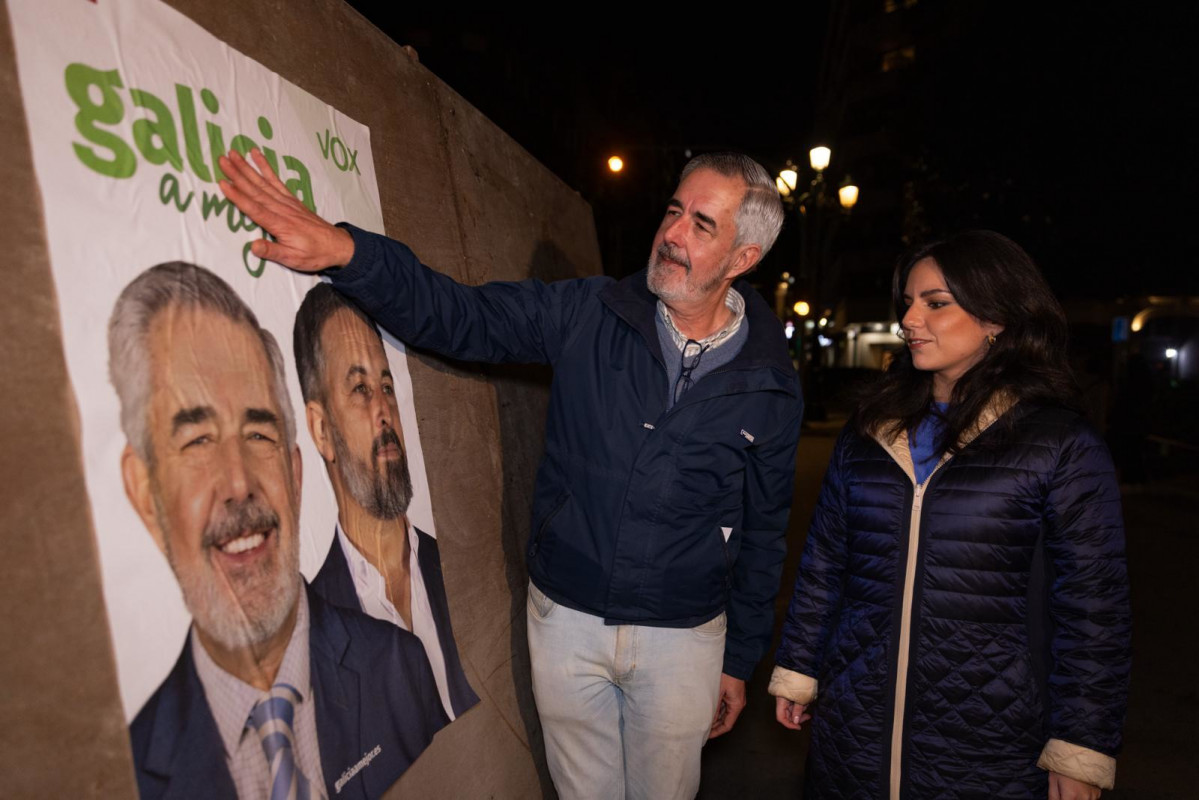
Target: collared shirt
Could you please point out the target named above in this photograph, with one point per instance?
(922, 442)
(231, 701)
(735, 303)
(371, 588)
(695, 359)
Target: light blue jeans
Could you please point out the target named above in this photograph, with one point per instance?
(625, 709)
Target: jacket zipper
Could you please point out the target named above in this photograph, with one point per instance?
(905, 640)
(728, 562)
(909, 591)
(905, 629)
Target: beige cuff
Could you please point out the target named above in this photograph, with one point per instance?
(793, 686)
(1077, 762)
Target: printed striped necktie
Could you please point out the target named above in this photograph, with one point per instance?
(272, 719)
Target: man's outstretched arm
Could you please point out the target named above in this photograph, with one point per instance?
(302, 240)
(523, 322)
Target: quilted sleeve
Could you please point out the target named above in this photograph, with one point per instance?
(1088, 603)
(817, 593)
(515, 322)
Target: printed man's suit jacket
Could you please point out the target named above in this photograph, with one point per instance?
(335, 584)
(372, 686)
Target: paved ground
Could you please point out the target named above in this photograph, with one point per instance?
(761, 759)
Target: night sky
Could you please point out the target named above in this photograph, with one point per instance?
(1072, 129)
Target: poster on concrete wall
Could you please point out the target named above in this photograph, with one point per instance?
(240, 424)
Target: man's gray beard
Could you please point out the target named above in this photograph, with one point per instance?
(657, 282)
(211, 598)
(384, 494)
(656, 278)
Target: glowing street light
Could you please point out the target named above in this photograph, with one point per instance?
(819, 158)
(848, 195)
(787, 180)
(615, 163)
(802, 308)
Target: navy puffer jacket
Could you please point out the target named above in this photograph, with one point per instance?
(961, 631)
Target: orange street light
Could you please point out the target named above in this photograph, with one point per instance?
(848, 195)
(615, 163)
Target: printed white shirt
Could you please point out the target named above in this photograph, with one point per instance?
(371, 589)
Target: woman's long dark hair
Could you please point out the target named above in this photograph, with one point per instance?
(993, 279)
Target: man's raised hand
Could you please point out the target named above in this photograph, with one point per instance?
(302, 240)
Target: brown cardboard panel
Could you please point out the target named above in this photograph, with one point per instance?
(512, 216)
(516, 222)
(517, 218)
(470, 202)
(62, 730)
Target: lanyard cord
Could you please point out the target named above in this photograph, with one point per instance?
(683, 383)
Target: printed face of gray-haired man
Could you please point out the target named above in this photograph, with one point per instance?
(215, 474)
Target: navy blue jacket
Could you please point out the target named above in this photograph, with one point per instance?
(371, 683)
(335, 584)
(632, 499)
(1004, 576)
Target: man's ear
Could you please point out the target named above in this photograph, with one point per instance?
(746, 259)
(135, 474)
(318, 428)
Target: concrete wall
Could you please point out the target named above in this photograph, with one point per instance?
(473, 204)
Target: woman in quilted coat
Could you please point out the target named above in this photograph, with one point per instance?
(960, 623)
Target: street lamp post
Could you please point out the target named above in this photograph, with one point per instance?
(813, 206)
(819, 213)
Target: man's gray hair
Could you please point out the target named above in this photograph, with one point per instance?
(760, 216)
(183, 285)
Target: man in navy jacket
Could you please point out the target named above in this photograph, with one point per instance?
(662, 499)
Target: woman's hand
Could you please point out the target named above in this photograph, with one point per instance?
(791, 714)
(1063, 788)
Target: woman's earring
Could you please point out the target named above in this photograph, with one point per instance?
(990, 339)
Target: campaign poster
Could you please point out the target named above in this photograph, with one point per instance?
(214, 469)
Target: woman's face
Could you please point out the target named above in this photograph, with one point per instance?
(943, 337)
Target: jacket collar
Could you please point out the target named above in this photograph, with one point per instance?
(333, 582)
(897, 445)
(185, 746)
(632, 301)
(184, 742)
(337, 668)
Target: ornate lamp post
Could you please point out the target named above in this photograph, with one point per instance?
(819, 214)
(815, 206)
